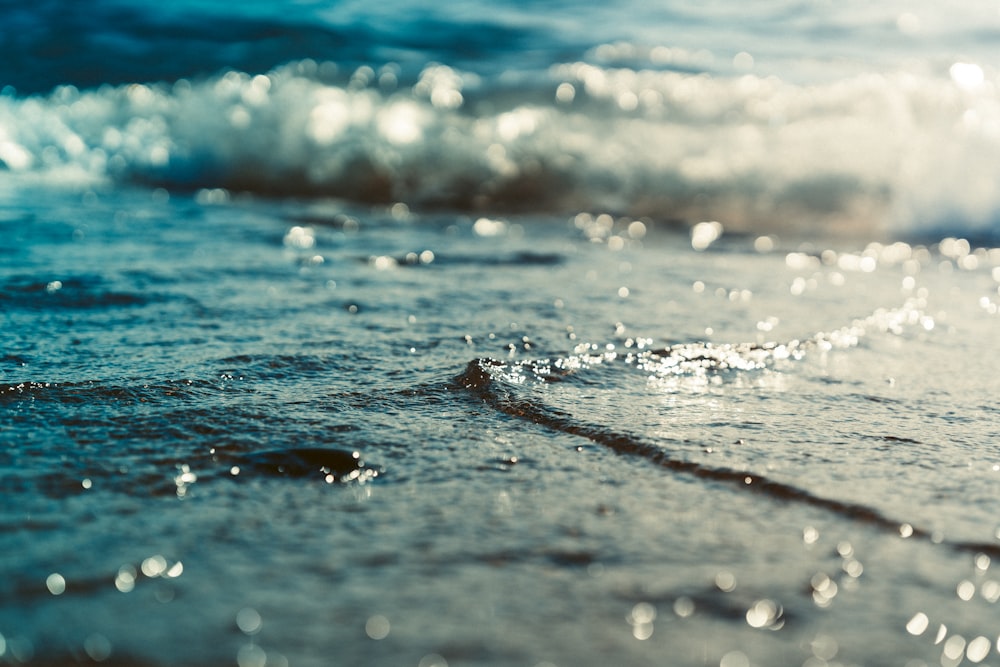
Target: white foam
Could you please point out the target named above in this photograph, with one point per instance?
(892, 152)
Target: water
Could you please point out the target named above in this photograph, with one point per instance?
(391, 336)
(855, 119)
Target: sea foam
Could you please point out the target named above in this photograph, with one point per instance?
(898, 152)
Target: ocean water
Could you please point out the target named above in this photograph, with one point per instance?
(499, 334)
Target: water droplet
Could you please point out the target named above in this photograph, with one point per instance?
(725, 581)
(990, 591)
(735, 659)
(432, 660)
(978, 649)
(642, 631)
(982, 562)
(251, 656)
(643, 612)
(824, 647)
(248, 621)
(918, 624)
(764, 244)
(125, 580)
(966, 589)
(853, 567)
(97, 647)
(954, 647)
(683, 607)
(705, 234)
(763, 614)
(154, 566)
(377, 627)
(55, 583)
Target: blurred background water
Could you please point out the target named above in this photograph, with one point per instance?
(815, 117)
(498, 334)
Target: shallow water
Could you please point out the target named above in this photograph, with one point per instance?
(575, 442)
(396, 335)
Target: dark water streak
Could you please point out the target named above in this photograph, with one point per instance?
(479, 381)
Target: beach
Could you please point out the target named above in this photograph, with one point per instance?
(364, 349)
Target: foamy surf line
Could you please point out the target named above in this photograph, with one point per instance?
(893, 152)
(495, 383)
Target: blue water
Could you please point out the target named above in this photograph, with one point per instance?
(499, 334)
(841, 119)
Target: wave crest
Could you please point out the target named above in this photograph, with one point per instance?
(759, 154)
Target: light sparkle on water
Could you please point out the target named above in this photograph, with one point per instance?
(56, 584)
(377, 627)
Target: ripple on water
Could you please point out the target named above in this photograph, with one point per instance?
(326, 464)
(80, 292)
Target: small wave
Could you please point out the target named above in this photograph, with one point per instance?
(700, 360)
(497, 383)
(479, 378)
(327, 464)
(96, 392)
(85, 292)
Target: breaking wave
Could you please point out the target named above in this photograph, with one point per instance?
(896, 153)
